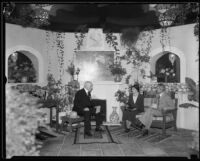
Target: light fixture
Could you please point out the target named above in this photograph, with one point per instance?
(172, 58)
(41, 17)
(166, 14)
(166, 19)
(14, 56)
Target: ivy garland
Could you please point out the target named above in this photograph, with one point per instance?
(47, 50)
(80, 35)
(164, 37)
(60, 52)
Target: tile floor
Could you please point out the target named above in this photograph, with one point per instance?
(175, 146)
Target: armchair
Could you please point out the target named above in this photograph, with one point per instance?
(167, 120)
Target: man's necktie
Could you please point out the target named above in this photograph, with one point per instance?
(158, 101)
(89, 95)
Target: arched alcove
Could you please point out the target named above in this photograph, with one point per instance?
(31, 54)
(22, 67)
(167, 71)
(158, 52)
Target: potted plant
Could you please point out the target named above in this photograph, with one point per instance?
(117, 70)
(71, 69)
(193, 95)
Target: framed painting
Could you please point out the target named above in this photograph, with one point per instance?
(94, 65)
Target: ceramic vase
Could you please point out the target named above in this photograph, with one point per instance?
(114, 117)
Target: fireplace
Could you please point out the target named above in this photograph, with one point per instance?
(102, 103)
(105, 90)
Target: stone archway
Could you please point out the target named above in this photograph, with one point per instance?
(31, 50)
(157, 53)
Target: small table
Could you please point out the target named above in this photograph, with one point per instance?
(70, 121)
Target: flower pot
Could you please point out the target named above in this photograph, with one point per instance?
(118, 78)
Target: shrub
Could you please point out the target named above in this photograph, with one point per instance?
(23, 117)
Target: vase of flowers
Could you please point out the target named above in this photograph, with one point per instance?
(166, 75)
(117, 70)
(73, 71)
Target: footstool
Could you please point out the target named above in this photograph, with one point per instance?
(70, 121)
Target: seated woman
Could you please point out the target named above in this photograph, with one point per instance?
(135, 106)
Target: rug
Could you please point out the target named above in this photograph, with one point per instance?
(152, 137)
(97, 136)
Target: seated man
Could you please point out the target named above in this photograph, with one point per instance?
(84, 107)
(164, 102)
(135, 106)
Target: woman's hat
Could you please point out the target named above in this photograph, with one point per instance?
(136, 86)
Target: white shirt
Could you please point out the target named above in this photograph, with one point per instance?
(135, 98)
(86, 91)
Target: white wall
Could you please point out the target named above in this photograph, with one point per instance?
(183, 43)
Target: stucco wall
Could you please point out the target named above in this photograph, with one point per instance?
(183, 43)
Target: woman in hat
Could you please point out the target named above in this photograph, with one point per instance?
(134, 106)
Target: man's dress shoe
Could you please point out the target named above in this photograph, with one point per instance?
(88, 134)
(145, 132)
(127, 130)
(99, 129)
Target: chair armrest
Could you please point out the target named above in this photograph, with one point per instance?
(167, 111)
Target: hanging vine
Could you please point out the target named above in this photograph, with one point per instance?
(164, 37)
(115, 68)
(47, 51)
(80, 34)
(60, 51)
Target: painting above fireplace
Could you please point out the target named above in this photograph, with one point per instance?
(94, 65)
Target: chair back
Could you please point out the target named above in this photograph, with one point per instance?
(176, 108)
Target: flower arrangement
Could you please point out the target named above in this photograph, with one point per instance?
(167, 74)
(18, 71)
(116, 69)
(23, 114)
(121, 96)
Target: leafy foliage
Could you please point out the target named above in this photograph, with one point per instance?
(22, 118)
(116, 68)
(194, 94)
(121, 96)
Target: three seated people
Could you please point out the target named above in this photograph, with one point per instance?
(136, 106)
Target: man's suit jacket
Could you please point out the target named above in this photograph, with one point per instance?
(138, 105)
(165, 102)
(81, 101)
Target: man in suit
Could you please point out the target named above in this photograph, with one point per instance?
(134, 106)
(164, 102)
(84, 107)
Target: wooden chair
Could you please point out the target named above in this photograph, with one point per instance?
(167, 120)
